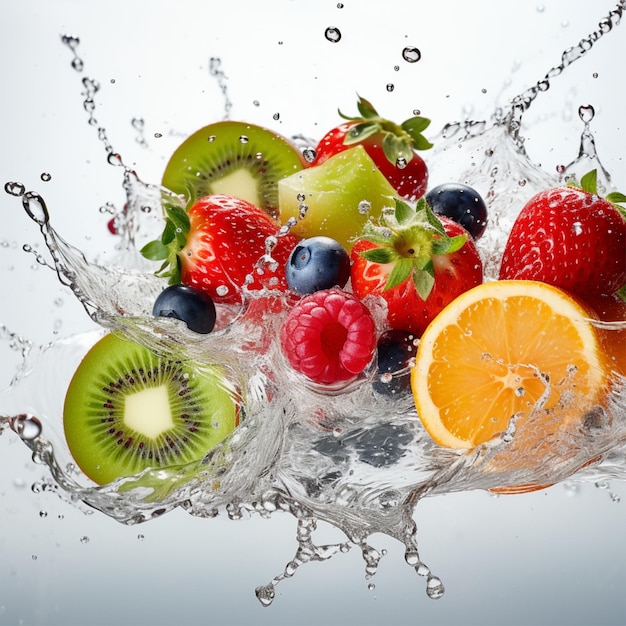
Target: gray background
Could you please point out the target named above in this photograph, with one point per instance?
(554, 557)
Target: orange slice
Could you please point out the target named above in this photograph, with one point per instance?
(501, 350)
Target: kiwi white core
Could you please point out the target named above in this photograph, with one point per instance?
(240, 183)
(148, 411)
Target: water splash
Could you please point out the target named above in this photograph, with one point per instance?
(352, 459)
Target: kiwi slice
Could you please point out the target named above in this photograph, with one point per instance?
(127, 409)
(235, 159)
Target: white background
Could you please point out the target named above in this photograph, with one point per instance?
(555, 557)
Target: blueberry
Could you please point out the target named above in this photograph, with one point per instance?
(317, 263)
(187, 304)
(460, 203)
(395, 350)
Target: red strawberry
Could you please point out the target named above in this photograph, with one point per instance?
(216, 246)
(391, 146)
(417, 262)
(329, 336)
(570, 238)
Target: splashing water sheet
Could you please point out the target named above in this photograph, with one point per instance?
(363, 515)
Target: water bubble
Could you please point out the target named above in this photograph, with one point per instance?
(84, 539)
(221, 290)
(256, 103)
(43, 514)
(340, 5)
(401, 163)
(595, 75)
(561, 169)
(586, 112)
(332, 34)
(244, 139)
(46, 177)
(390, 87)
(140, 537)
(396, 68)
(411, 54)
(158, 135)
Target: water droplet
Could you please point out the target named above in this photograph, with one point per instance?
(390, 87)
(520, 391)
(256, 103)
(400, 163)
(340, 5)
(595, 75)
(28, 427)
(84, 539)
(561, 169)
(309, 155)
(276, 116)
(221, 290)
(158, 135)
(43, 514)
(371, 587)
(586, 112)
(332, 34)
(36, 208)
(434, 588)
(140, 537)
(243, 139)
(364, 207)
(411, 54)
(265, 594)
(577, 227)
(45, 176)
(14, 189)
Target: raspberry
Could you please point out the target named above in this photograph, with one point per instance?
(329, 336)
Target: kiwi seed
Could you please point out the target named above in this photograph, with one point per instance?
(127, 410)
(235, 159)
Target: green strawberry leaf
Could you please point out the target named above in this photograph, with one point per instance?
(366, 108)
(155, 251)
(396, 149)
(414, 127)
(403, 213)
(424, 281)
(382, 255)
(589, 182)
(401, 271)
(360, 132)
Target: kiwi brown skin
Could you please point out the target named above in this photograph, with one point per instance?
(206, 163)
(105, 447)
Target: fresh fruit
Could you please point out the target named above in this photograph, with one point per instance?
(187, 304)
(391, 146)
(504, 350)
(216, 247)
(317, 263)
(570, 238)
(233, 159)
(329, 336)
(336, 198)
(460, 203)
(395, 353)
(127, 409)
(416, 262)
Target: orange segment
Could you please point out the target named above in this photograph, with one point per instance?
(497, 351)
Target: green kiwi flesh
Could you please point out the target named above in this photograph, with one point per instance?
(127, 409)
(235, 159)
